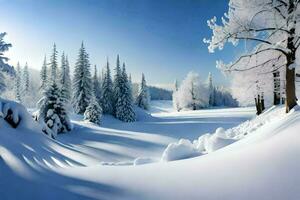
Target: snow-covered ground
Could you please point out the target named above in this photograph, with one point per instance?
(97, 162)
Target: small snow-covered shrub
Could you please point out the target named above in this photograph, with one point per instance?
(93, 112)
(53, 111)
(181, 150)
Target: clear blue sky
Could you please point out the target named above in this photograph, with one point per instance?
(162, 38)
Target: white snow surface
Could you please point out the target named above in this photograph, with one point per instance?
(111, 161)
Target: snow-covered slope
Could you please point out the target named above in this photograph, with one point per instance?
(262, 164)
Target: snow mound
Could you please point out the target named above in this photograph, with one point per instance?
(181, 150)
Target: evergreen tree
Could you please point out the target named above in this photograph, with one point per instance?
(4, 67)
(143, 98)
(82, 84)
(96, 85)
(64, 78)
(53, 64)
(107, 92)
(52, 110)
(210, 90)
(25, 80)
(125, 111)
(93, 112)
(18, 83)
(44, 76)
(118, 81)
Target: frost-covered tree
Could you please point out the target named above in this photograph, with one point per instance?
(52, 110)
(274, 28)
(82, 82)
(53, 65)
(44, 75)
(143, 98)
(4, 67)
(93, 112)
(192, 93)
(107, 91)
(96, 85)
(25, 81)
(17, 86)
(124, 101)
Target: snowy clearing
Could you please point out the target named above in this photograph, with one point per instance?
(110, 162)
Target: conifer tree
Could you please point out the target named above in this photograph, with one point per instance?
(18, 83)
(118, 81)
(210, 90)
(124, 103)
(96, 85)
(107, 92)
(82, 84)
(65, 79)
(52, 110)
(44, 75)
(53, 65)
(93, 112)
(25, 80)
(143, 98)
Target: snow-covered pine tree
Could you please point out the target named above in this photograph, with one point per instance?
(18, 84)
(68, 82)
(44, 76)
(107, 92)
(25, 80)
(143, 98)
(4, 67)
(53, 65)
(65, 92)
(82, 83)
(52, 110)
(124, 102)
(64, 77)
(96, 85)
(118, 81)
(210, 88)
(93, 112)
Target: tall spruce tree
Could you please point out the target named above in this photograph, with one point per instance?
(143, 98)
(96, 85)
(18, 83)
(118, 81)
(210, 87)
(82, 83)
(53, 65)
(124, 104)
(25, 77)
(65, 87)
(107, 91)
(64, 77)
(44, 75)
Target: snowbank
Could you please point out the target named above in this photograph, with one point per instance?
(181, 150)
(208, 143)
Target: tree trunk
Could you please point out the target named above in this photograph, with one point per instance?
(291, 99)
(262, 102)
(258, 105)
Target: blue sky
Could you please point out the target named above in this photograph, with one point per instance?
(162, 38)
